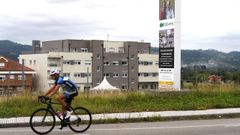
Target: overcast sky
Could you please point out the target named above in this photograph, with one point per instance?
(205, 24)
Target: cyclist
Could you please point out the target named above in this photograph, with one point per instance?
(65, 98)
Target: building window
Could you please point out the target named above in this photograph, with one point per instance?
(34, 62)
(12, 77)
(2, 65)
(98, 56)
(1, 90)
(124, 75)
(77, 74)
(121, 50)
(73, 49)
(84, 49)
(30, 62)
(124, 62)
(106, 63)
(154, 74)
(98, 81)
(132, 56)
(88, 62)
(98, 68)
(107, 75)
(112, 50)
(52, 64)
(66, 62)
(115, 75)
(145, 63)
(20, 77)
(77, 62)
(124, 86)
(153, 86)
(66, 74)
(19, 89)
(116, 63)
(85, 75)
(2, 77)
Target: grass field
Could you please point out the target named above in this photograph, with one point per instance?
(221, 96)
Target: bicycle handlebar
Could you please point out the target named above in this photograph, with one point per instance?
(43, 99)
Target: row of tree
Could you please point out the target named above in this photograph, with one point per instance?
(198, 75)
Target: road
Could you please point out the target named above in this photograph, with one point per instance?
(194, 127)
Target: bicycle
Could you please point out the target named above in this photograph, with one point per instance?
(43, 120)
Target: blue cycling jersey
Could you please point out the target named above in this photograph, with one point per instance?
(66, 83)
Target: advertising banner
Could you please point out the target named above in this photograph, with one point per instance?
(166, 44)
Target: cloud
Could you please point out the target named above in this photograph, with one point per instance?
(226, 43)
(56, 19)
(62, 1)
(204, 23)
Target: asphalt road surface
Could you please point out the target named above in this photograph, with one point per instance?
(194, 127)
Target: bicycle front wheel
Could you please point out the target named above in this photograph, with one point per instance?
(42, 121)
(80, 120)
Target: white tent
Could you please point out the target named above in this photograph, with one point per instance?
(104, 85)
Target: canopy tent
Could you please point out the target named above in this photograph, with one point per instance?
(104, 85)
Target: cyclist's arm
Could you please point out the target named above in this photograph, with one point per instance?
(53, 90)
(50, 90)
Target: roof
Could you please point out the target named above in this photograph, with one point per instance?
(104, 85)
(12, 65)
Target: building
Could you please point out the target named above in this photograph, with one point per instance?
(126, 65)
(12, 75)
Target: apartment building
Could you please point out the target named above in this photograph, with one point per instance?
(126, 65)
(76, 66)
(14, 78)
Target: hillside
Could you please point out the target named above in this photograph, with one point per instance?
(209, 58)
(12, 50)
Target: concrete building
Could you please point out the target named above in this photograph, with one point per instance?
(123, 63)
(14, 77)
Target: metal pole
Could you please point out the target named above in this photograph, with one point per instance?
(102, 62)
(8, 80)
(62, 64)
(87, 81)
(23, 78)
(128, 69)
(8, 86)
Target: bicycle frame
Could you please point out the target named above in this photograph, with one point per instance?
(49, 107)
(48, 116)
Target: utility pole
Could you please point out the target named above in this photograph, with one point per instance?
(23, 78)
(88, 81)
(62, 65)
(8, 86)
(102, 62)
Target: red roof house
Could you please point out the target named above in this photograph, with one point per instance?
(14, 77)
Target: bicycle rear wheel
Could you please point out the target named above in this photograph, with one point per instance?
(80, 120)
(42, 121)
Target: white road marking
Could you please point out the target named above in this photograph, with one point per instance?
(167, 127)
(134, 128)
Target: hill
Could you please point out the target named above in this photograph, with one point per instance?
(12, 50)
(209, 58)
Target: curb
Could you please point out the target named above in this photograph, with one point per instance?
(140, 116)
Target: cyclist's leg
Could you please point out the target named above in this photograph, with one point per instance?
(69, 95)
(61, 100)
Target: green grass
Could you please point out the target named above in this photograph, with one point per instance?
(24, 105)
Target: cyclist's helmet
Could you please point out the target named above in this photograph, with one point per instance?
(54, 71)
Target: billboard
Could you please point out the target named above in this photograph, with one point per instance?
(167, 51)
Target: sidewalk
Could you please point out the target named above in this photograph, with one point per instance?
(18, 121)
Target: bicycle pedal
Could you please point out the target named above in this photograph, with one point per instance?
(67, 120)
(62, 126)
